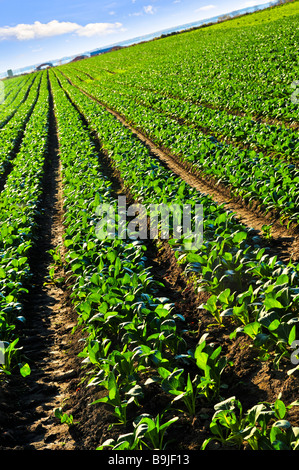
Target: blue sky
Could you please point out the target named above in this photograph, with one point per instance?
(34, 31)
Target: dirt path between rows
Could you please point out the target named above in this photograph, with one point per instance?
(27, 405)
(284, 243)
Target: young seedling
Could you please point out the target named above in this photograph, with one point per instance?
(151, 431)
(64, 417)
(266, 231)
(232, 427)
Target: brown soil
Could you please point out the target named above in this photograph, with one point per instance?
(58, 379)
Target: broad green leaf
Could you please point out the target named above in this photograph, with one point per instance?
(25, 370)
(239, 237)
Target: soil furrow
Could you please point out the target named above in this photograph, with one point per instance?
(28, 417)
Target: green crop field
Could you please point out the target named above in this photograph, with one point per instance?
(166, 347)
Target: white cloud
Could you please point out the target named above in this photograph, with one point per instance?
(149, 9)
(94, 29)
(206, 8)
(37, 30)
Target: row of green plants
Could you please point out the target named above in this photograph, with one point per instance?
(251, 175)
(11, 134)
(19, 210)
(12, 88)
(14, 96)
(226, 263)
(276, 140)
(146, 185)
(131, 333)
(234, 66)
(113, 290)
